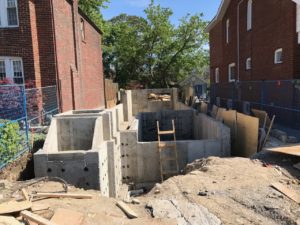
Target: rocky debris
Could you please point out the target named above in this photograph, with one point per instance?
(185, 212)
(283, 136)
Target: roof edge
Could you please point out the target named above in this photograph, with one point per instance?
(219, 16)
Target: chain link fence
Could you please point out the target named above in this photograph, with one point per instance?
(277, 97)
(25, 115)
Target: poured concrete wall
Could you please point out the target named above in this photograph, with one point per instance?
(140, 160)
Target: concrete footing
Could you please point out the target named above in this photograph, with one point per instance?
(104, 149)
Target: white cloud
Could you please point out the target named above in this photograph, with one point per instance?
(138, 3)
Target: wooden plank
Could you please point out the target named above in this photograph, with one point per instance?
(67, 217)
(203, 107)
(214, 111)
(246, 136)
(14, 206)
(25, 194)
(289, 150)
(220, 112)
(229, 118)
(9, 220)
(286, 191)
(127, 210)
(36, 218)
(264, 119)
(63, 195)
(39, 207)
(268, 133)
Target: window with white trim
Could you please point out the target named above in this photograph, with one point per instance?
(278, 56)
(227, 30)
(11, 68)
(9, 13)
(231, 72)
(249, 15)
(248, 64)
(217, 75)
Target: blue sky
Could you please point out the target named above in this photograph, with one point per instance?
(180, 8)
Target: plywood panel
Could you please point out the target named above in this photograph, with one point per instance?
(220, 112)
(246, 136)
(290, 150)
(229, 118)
(261, 115)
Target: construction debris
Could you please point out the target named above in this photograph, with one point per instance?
(286, 191)
(36, 218)
(67, 217)
(127, 210)
(14, 206)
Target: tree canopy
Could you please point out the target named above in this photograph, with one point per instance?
(92, 9)
(150, 50)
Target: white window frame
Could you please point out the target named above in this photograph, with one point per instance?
(276, 56)
(229, 72)
(249, 15)
(8, 61)
(3, 15)
(248, 63)
(227, 30)
(217, 75)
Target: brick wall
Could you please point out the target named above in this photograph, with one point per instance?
(274, 26)
(17, 42)
(80, 68)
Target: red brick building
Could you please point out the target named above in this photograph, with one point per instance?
(254, 40)
(52, 42)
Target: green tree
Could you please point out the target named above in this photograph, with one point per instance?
(92, 9)
(152, 50)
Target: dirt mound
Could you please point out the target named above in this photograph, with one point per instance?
(236, 190)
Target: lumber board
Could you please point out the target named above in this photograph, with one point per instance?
(203, 107)
(220, 113)
(39, 207)
(36, 218)
(127, 210)
(289, 150)
(229, 118)
(25, 194)
(14, 206)
(63, 195)
(262, 116)
(9, 220)
(67, 217)
(246, 136)
(287, 191)
(214, 111)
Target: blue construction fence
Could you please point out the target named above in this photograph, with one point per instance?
(277, 97)
(24, 115)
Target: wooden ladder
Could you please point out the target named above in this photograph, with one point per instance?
(162, 145)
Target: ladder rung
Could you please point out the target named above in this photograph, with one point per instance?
(166, 132)
(168, 159)
(170, 172)
(166, 145)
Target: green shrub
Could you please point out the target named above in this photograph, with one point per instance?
(10, 140)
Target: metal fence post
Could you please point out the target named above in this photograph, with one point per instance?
(25, 114)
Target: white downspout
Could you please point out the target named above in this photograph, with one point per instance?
(238, 39)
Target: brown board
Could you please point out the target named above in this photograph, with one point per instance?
(262, 115)
(203, 108)
(229, 118)
(246, 141)
(220, 112)
(288, 192)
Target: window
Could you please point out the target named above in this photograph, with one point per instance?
(217, 75)
(248, 64)
(231, 72)
(2, 70)
(227, 30)
(11, 68)
(82, 29)
(278, 56)
(249, 15)
(8, 13)
(18, 71)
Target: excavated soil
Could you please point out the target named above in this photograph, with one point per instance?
(237, 190)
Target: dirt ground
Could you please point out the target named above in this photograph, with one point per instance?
(214, 191)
